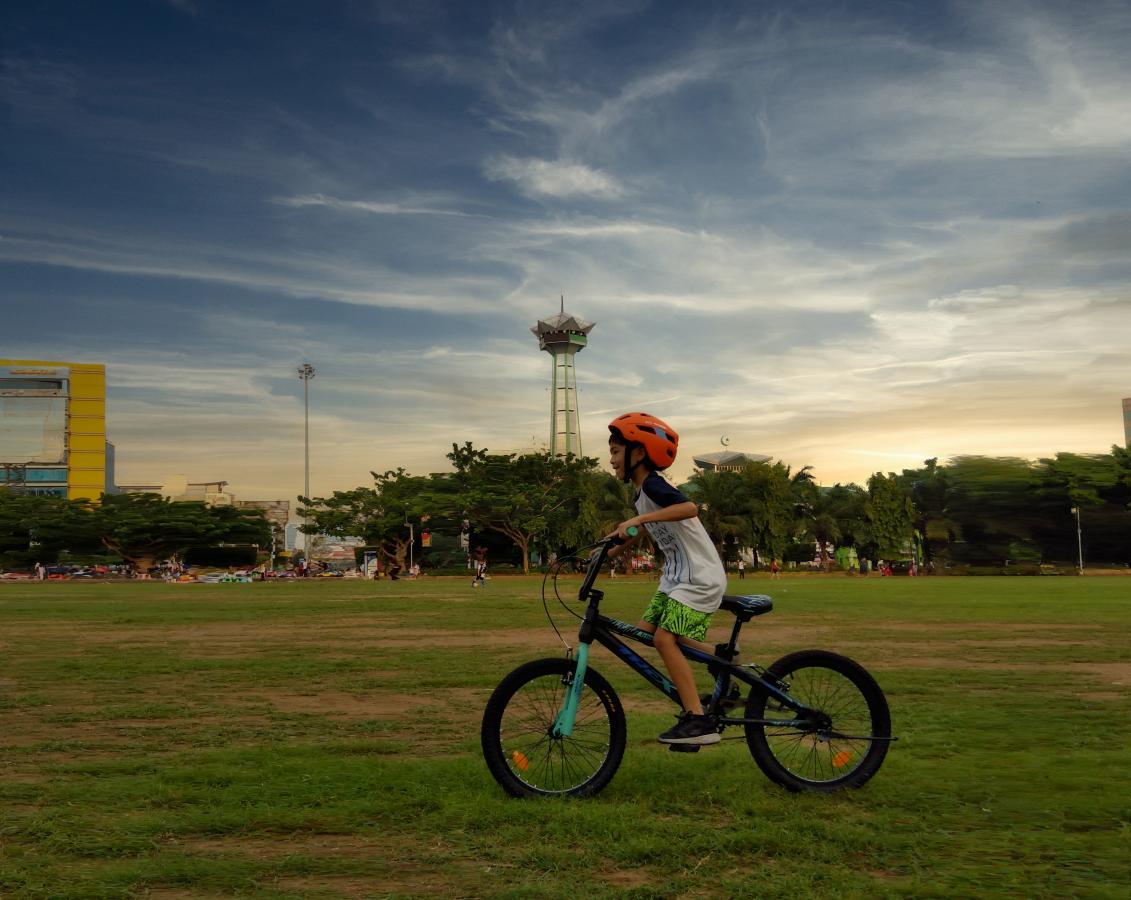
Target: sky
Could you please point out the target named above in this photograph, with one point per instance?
(847, 235)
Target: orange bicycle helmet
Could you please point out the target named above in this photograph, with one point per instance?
(658, 439)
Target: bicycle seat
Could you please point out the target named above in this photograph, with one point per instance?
(746, 608)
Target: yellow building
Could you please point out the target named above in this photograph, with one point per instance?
(53, 428)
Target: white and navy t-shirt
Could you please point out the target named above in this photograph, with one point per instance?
(693, 573)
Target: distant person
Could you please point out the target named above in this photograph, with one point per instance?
(775, 569)
(480, 578)
(742, 570)
(40, 572)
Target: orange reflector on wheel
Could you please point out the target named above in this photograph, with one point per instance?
(520, 760)
(841, 759)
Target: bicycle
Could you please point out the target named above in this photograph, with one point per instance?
(813, 721)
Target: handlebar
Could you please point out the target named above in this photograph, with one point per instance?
(598, 560)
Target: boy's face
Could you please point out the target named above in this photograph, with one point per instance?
(617, 456)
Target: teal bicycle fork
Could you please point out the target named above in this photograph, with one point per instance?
(567, 716)
(563, 724)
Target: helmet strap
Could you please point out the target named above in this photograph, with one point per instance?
(630, 467)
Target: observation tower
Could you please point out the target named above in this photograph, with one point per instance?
(562, 336)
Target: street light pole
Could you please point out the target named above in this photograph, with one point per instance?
(1079, 542)
(305, 373)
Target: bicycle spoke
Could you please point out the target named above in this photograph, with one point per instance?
(554, 765)
(817, 756)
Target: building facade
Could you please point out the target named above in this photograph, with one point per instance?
(53, 429)
(177, 487)
(277, 512)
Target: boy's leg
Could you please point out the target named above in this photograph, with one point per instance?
(664, 619)
(679, 669)
(644, 624)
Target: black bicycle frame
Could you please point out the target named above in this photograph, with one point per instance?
(604, 630)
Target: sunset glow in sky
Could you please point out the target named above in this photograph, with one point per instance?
(847, 235)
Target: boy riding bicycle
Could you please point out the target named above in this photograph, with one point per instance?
(693, 580)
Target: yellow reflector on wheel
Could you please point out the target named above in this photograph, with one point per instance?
(520, 760)
(841, 759)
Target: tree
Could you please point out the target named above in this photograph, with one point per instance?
(931, 493)
(612, 503)
(613, 499)
(847, 503)
(721, 507)
(770, 496)
(379, 514)
(143, 528)
(819, 521)
(997, 504)
(1095, 484)
(890, 514)
(36, 528)
(528, 496)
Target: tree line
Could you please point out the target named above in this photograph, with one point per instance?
(969, 511)
(138, 528)
(531, 501)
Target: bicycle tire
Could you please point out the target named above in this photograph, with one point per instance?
(801, 759)
(517, 745)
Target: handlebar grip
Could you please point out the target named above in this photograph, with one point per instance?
(632, 531)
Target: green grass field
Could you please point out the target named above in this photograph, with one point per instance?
(321, 740)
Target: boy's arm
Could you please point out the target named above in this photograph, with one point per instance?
(673, 513)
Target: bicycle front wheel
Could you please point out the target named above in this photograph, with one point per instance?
(842, 745)
(520, 749)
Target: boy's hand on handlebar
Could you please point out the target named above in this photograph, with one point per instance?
(625, 531)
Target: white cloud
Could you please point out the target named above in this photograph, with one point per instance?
(297, 274)
(369, 206)
(553, 178)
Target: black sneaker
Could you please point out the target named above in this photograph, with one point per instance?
(691, 729)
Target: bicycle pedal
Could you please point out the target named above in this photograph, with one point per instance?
(684, 748)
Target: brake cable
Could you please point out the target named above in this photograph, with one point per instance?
(555, 570)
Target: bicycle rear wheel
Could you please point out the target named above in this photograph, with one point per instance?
(845, 743)
(518, 745)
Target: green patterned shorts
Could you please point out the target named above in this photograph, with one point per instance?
(673, 616)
